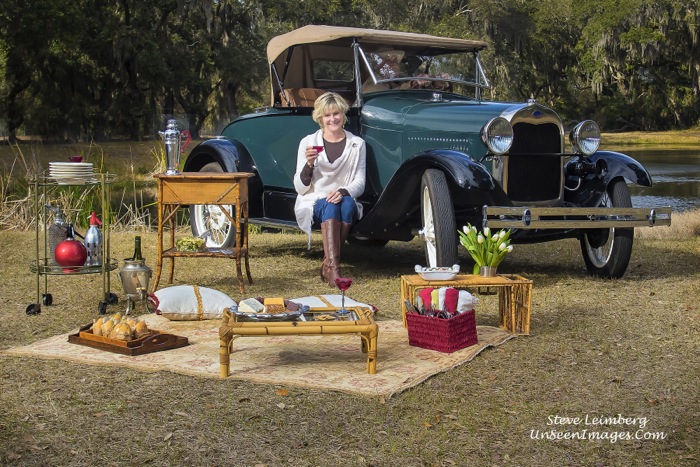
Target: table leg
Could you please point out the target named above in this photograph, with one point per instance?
(405, 295)
(521, 305)
(172, 244)
(225, 339)
(159, 263)
(239, 273)
(369, 346)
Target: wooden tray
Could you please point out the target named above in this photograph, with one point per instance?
(155, 341)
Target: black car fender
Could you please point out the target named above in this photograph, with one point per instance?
(611, 165)
(398, 206)
(622, 165)
(232, 156)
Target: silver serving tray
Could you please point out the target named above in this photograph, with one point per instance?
(287, 316)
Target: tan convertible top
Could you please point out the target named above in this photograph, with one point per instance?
(314, 33)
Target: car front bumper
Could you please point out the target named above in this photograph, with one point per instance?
(514, 217)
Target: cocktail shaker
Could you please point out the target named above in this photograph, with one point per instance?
(172, 138)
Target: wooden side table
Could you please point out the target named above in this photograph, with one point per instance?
(218, 189)
(514, 296)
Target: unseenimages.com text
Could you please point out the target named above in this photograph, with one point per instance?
(592, 429)
(586, 434)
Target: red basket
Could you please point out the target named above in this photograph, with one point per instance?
(443, 335)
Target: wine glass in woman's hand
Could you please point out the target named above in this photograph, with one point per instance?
(319, 150)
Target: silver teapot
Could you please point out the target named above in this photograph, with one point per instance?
(135, 276)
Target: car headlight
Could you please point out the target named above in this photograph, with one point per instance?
(585, 137)
(497, 135)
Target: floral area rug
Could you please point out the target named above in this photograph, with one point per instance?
(326, 362)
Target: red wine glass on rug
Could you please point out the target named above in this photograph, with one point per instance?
(343, 283)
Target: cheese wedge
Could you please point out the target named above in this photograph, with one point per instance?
(251, 305)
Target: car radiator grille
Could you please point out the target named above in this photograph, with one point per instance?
(534, 169)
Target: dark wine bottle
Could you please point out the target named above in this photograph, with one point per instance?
(137, 249)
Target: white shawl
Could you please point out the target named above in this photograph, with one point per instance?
(348, 172)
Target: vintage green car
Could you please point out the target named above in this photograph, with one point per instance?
(439, 155)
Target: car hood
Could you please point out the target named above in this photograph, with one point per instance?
(425, 113)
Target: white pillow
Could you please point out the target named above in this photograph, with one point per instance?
(190, 302)
(320, 301)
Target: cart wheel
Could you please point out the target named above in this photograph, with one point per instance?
(102, 308)
(34, 309)
(47, 299)
(112, 298)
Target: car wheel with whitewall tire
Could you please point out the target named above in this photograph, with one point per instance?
(607, 252)
(438, 231)
(209, 221)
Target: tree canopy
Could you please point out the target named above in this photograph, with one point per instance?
(92, 70)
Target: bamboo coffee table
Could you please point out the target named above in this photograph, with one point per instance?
(364, 325)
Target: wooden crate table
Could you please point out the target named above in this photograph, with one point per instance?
(364, 325)
(514, 296)
(217, 189)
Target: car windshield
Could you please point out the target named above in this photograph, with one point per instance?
(402, 68)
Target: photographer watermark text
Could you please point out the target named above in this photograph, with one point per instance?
(597, 428)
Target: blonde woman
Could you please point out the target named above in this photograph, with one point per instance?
(330, 175)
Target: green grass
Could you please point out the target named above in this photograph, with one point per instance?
(597, 348)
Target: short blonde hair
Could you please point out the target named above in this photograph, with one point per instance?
(327, 102)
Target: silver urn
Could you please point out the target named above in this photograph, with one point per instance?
(135, 276)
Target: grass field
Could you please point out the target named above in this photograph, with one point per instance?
(598, 349)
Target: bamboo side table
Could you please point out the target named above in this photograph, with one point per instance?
(365, 326)
(514, 296)
(218, 189)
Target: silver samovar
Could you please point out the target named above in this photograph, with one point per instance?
(172, 137)
(135, 276)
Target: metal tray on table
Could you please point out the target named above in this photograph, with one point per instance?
(263, 317)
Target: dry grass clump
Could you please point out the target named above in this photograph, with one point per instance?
(676, 137)
(684, 225)
(597, 348)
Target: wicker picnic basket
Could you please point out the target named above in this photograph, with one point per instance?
(443, 335)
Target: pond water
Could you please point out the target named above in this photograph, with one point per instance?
(675, 173)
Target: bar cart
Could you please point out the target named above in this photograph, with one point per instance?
(44, 265)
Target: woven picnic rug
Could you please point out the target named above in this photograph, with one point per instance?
(326, 362)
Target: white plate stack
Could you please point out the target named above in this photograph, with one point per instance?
(72, 173)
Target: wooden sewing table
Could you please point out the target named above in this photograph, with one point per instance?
(218, 189)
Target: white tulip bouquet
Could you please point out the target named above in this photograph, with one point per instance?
(485, 249)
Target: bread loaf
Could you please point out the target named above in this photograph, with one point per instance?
(274, 305)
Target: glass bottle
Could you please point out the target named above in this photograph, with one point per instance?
(137, 249)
